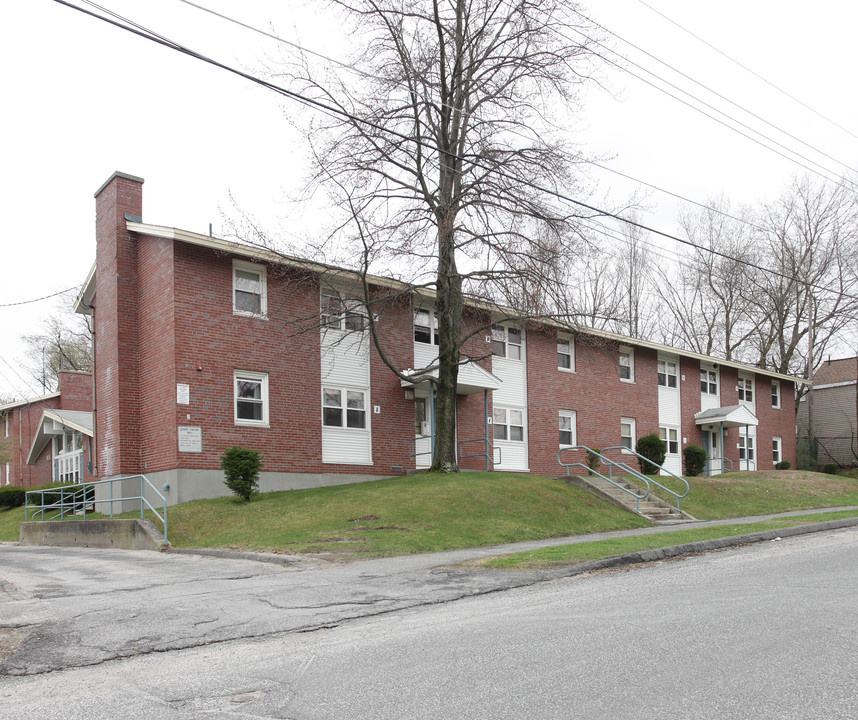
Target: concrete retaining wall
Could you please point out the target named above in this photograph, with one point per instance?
(134, 534)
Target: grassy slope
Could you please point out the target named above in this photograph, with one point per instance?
(424, 513)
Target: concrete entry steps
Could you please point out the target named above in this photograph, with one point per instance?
(652, 507)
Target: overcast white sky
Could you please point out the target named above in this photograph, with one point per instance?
(83, 99)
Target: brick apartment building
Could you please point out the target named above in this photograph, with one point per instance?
(49, 438)
(198, 346)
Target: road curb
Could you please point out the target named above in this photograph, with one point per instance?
(655, 554)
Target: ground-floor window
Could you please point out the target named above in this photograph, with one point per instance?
(567, 428)
(670, 438)
(627, 433)
(343, 407)
(776, 450)
(746, 448)
(508, 424)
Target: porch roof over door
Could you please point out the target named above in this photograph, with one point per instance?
(55, 422)
(730, 416)
(473, 379)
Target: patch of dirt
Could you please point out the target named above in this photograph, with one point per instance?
(336, 539)
(380, 527)
(365, 518)
(11, 639)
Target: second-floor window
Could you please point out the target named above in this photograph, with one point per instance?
(249, 295)
(565, 354)
(627, 364)
(425, 327)
(708, 382)
(776, 394)
(506, 342)
(339, 313)
(746, 390)
(667, 375)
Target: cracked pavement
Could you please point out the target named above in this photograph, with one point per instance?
(63, 608)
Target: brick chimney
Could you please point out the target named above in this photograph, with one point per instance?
(116, 376)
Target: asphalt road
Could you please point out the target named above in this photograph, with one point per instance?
(764, 631)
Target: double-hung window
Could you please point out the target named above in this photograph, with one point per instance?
(746, 447)
(249, 289)
(627, 433)
(670, 438)
(708, 381)
(425, 327)
(251, 398)
(667, 374)
(627, 364)
(508, 424)
(567, 428)
(776, 394)
(338, 313)
(565, 354)
(506, 342)
(344, 408)
(746, 389)
(776, 450)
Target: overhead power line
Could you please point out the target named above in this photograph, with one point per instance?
(143, 32)
(749, 70)
(35, 300)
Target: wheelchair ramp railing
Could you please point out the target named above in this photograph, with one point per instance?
(590, 455)
(79, 501)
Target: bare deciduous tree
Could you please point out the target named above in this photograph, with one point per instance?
(447, 155)
(63, 343)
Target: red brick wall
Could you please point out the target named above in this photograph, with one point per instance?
(774, 421)
(23, 424)
(117, 399)
(594, 391)
(75, 391)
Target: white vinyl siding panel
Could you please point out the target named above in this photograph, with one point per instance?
(424, 354)
(669, 408)
(345, 364)
(512, 395)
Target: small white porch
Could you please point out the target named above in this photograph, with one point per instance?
(712, 424)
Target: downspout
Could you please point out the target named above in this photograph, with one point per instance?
(432, 419)
(723, 451)
(486, 423)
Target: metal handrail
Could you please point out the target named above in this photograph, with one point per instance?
(608, 478)
(660, 467)
(723, 459)
(414, 452)
(487, 447)
(80, 497)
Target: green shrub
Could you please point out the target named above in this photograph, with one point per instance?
(594, 462)
(12, 497)
(652, 447)
(783, 465)
(830, 468)
(695, 460)
(241, 467)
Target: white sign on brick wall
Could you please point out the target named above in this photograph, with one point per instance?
(183, 394)
(190, 438)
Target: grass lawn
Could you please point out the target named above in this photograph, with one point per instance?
(582, 552)
(426, 512)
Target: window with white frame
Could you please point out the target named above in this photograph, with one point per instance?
(506, 342)
(627, 433)
(8, 473)
(708, 381)
(251, 398)
(667, 373)
(776, 394)
(249, 289)
(776, 450)
(567, 428)
(508, 424)
(746, 389)
(670, 438)
(627, 364)
(344, 408)
(425, 327)
(565, 354)
(746, 447)
(339, 313)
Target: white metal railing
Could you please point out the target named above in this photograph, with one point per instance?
(57, 503)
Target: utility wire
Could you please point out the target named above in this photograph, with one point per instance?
(711, 208)
(747, 69)
(339, 112)
(707, 88)
(46, 297)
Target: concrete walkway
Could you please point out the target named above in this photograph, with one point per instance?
(455, 557)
